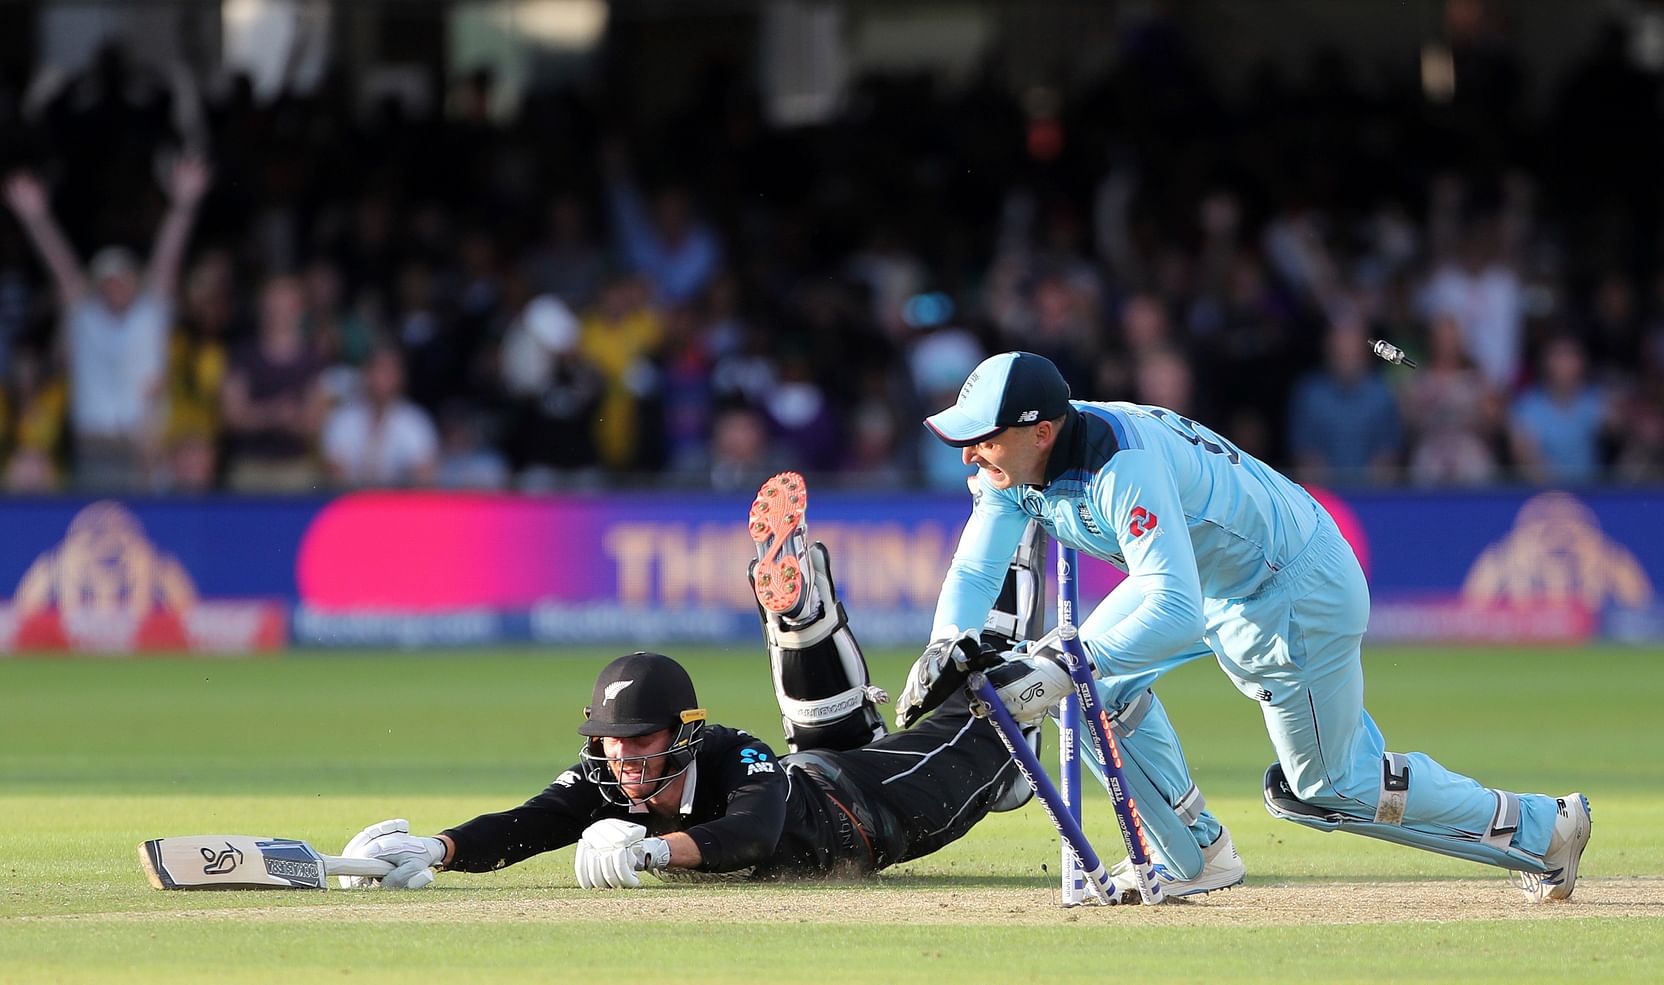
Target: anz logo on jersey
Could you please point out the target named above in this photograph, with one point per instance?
(756, 761)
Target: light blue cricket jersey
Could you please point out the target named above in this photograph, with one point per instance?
(1184, 512)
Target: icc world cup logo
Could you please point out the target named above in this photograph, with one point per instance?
(105, 579)
(1556, 552)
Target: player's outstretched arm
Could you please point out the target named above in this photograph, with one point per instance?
(754, 792)
(986, 546)
(553, 819)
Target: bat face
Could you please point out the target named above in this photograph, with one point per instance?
(231, 862)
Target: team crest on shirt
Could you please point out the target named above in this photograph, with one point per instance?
(1086, 520)
(566, 779)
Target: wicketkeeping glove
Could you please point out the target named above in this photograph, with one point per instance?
(940, 671)
(613, 850)
(1031, 682)
(413, 857)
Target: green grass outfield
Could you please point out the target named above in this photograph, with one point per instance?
(96, 755)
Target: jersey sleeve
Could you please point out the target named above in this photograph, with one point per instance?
(1137, 493)
(986, 546)
(752, 786)
(553, 819)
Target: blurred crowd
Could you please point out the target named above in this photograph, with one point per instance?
(200, 290)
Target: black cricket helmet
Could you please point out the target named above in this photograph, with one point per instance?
(639, 694)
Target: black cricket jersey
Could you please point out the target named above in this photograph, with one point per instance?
(818, 812)
(748, 813)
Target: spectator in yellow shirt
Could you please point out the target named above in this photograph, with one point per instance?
(621, 335)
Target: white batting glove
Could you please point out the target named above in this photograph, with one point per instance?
(355, 849)
(613, 850)
(413, 857)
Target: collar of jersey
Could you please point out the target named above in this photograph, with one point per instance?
(1068, 450)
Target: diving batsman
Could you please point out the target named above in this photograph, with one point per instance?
(658, 787)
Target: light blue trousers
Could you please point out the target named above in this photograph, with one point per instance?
(1296, 648)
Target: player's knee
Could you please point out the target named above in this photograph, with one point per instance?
(1350, 785)
(1310, 782)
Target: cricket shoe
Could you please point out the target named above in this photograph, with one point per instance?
(1222, 868)
(780, 527)
(1565, 848)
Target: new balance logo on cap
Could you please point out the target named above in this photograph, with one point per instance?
(613, 689)
(1012, 389)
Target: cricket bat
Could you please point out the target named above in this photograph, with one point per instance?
(245, 862)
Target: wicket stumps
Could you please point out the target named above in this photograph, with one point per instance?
(1082, 707)
(1073, 888)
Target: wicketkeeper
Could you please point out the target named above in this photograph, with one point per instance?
(659, 788)
(1226, 558)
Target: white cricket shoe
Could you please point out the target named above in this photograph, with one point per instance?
(1222, 868)
(1565, 847)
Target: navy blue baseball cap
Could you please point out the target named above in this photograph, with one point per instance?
(1012, 389)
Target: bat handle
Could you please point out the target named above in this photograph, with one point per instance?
(373, 867)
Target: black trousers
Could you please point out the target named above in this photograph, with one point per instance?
(907, 794)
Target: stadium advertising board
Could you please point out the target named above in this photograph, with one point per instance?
(429, 569)
(167, 575)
